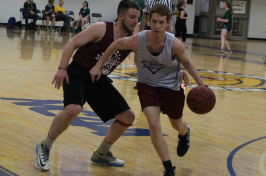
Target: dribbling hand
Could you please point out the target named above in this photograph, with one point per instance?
(59, 78)
(95, 74)
(184, 77)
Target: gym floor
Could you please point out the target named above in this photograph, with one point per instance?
(230, 140)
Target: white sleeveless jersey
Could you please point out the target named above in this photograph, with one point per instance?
(158, 71)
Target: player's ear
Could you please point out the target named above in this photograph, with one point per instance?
(121, 16)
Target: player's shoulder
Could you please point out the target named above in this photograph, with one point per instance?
(177, 45)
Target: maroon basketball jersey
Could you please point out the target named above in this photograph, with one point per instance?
(88, 55)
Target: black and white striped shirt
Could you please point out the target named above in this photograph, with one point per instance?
(151, 3)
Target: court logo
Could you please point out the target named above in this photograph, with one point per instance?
(153, 66)
(217, 80)
(87, 119)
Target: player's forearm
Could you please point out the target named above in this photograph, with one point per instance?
(193, 72)
(66, 55)
(144, 22)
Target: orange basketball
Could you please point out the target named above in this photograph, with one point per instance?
(201, 100)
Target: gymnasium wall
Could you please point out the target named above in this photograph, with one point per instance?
(190, 9)
(9, 8)
(257, 21)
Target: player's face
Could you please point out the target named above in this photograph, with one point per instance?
(130, 20)
(158, 23)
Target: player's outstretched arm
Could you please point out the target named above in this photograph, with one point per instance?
(93, 33)
(127, 43)
(179, 50)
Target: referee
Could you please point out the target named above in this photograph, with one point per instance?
(149, 5)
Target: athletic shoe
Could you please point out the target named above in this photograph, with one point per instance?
(170, 172)
(221, 51)
(183, 143)
(51, 29)
(108, 159)
(228, 51)
(42, 159)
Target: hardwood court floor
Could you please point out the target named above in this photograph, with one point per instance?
(230, 140)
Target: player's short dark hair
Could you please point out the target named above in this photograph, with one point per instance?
(162, 10)
(50, 1)
(124, 5)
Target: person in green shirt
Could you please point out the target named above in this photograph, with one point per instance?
(84, 15)
(30, 12)
(49, 14)
(142, 5)
(227, 20)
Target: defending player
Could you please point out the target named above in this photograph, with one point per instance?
(103, 97)
(158, 58)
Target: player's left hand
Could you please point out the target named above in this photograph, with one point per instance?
(95, 74)
(184, 77)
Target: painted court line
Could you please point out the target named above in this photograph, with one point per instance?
(232, 154)
(6, 172)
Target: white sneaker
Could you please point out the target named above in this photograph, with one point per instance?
(108, 159)
(42, 159)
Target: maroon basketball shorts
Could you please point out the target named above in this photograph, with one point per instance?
(170, 101)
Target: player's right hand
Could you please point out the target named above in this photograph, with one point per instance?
(95, 74)
(59, 78)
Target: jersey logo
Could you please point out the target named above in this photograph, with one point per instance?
(113, 61)
(153, 66)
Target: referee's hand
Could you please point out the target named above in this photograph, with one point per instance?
(95, 74)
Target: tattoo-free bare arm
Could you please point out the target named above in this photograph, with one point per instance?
(179, 50)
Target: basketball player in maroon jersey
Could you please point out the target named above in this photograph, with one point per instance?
(102, 96)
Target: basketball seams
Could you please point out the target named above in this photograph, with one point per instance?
(208, 99)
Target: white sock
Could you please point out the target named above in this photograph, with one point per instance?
(48, 142)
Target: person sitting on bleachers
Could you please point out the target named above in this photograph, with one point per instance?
(60, 15)
(49, 14)
(84, 15)
(30, 12)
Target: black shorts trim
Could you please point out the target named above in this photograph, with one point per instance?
(228, 29)
(102, 96)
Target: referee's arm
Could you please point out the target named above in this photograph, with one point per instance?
(145, 19)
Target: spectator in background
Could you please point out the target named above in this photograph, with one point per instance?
(30, 12)
(181, 18)
(60, 15)
(49, 14)
(84, 15)
(142, 5)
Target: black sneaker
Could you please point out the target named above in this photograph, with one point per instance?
(183, 143)
(170, 172)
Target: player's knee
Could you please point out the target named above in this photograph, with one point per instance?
(73, 110)
(155, 126)
(130, 117)
(180, 126)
